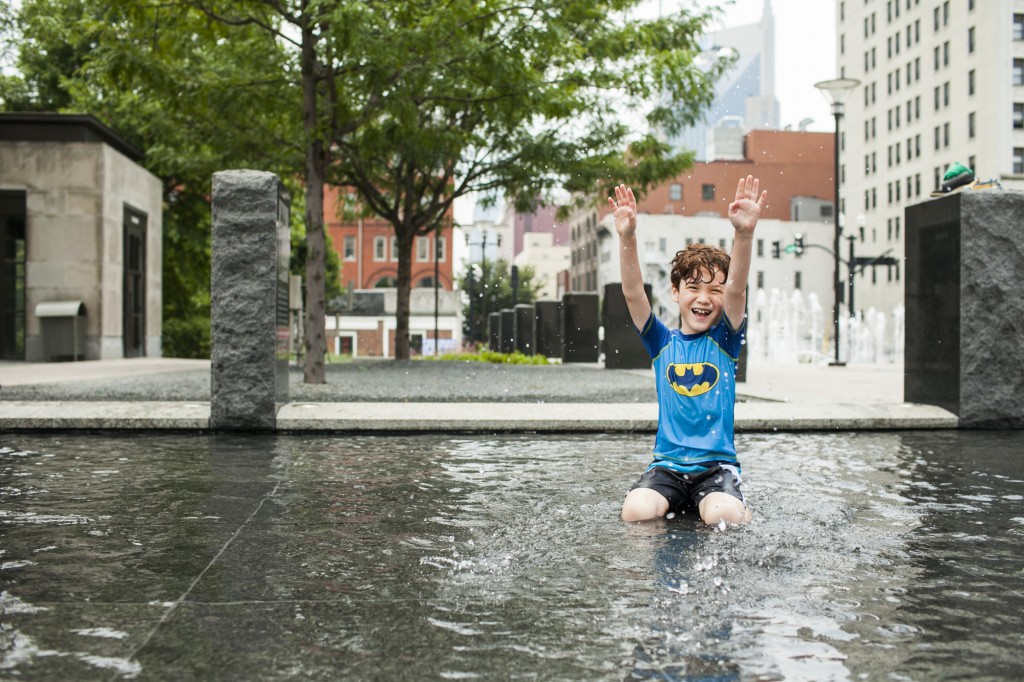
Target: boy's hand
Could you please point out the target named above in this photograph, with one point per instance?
(624, 205)
(746, 209)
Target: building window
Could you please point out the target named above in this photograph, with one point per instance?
(380, 246)
(675, 192)
(707, 192)
(970, 40)
(945, 135)
(394, 248)
(349, 248)
(945, 53)
(1018, 26)
(970, 126)
(422, 249)
(760, 279)
(970, 82)
(798, 280)
(1018, 115)
(760, 248)
(442, 249)
(1018, 71)
(1018, 160)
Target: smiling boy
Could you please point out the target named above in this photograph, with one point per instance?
(695, 465)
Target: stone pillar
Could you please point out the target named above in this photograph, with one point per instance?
(507, 325)
(964, 310)
(494, 332)
(580, 322)
(525, 333)
(548, 328)
(249, 330)
(622, 346)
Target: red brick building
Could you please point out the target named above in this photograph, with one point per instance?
(788, 163)
(368, 249)
(796, 167)
(368, 252)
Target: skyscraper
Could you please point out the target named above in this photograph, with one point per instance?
(745, 97)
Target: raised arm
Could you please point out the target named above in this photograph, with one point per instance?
(743, 213)
(624, 205)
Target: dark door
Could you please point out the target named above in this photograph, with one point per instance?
(134, 283)
(12, 275)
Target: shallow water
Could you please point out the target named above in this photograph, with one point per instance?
(871, 556)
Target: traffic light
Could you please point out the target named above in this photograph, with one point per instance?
(776, 249)
(798, 243)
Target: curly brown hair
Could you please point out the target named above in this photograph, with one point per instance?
(697, 261)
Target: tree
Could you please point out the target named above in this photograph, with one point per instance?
(489, 289)
(522, 98)
(413, 103)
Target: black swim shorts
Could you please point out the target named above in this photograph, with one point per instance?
(685, 491)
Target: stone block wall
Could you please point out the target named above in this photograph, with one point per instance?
(964, 346)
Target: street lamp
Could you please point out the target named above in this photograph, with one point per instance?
(483, 279)
(835, 91)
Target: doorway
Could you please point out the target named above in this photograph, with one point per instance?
(12, 274)
(134, 285)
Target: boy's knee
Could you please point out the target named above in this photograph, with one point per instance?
(717, 507)
(644, 504)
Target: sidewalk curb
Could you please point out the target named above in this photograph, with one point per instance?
(477, 417)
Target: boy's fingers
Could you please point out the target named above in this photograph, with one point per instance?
(739, 189)
(763, 200)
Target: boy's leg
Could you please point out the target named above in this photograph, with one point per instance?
(656, 492)
(718, 496)
(644, 504)
(716, 507)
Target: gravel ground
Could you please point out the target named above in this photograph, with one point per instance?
(382, 381)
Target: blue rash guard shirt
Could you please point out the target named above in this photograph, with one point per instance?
(695, 376)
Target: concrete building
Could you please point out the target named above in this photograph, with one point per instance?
(660, 236)
(80, 222)
(364, 326)
(547, 260)
(942, 81)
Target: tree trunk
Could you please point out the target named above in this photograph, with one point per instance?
(405, 243)
(313, 323)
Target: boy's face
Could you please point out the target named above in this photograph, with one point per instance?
(700, 302)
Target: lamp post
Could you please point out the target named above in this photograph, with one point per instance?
(835, 91)
(483, 278)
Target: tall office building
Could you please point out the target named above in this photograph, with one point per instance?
(744, 97)
(942, 81)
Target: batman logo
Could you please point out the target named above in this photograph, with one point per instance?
(693, 379)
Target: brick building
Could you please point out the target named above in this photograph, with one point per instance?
(364, 324)
(796, 168)
(369, 251)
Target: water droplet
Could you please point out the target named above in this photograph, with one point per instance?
(670, 515)
(722, 525)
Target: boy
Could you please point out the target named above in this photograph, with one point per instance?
(695, 464)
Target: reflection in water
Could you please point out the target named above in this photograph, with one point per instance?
(871, 556)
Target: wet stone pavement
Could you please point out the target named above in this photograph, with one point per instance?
(891, 555)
